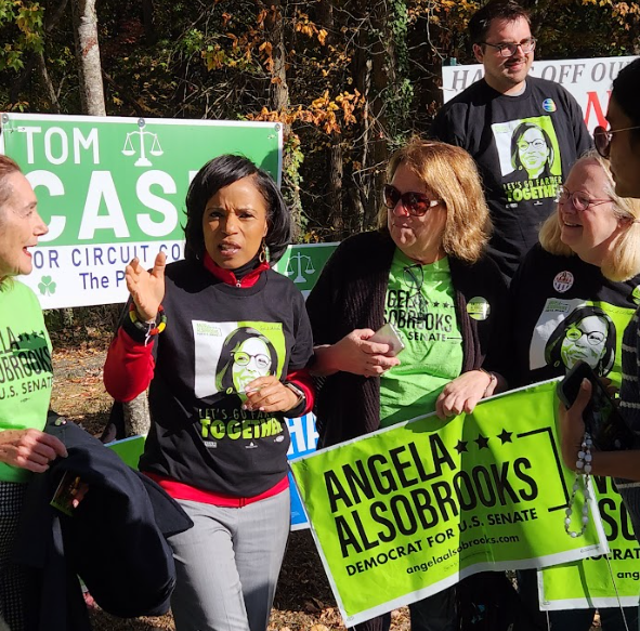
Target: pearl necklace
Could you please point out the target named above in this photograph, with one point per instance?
(583, 469)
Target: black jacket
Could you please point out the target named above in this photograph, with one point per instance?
(350, 294)
(114, 541)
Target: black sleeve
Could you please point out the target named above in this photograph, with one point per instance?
(443, 128)
(302, 348)
(321, 302)
(498, 357)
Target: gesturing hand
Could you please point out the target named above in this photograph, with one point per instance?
(146, 288)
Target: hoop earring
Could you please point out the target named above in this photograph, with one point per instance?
(262, 257)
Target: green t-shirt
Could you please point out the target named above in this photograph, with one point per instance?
(420, 302)
(25, 366)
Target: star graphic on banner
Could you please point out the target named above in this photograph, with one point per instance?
(482, 442)
(436, 304)
(461, 446)
(505, 436)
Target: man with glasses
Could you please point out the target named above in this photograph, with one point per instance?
(523, 132)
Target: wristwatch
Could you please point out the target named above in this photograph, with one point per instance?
(302, 397)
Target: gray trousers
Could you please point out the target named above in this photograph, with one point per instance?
(227, 565)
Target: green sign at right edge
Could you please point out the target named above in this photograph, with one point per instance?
(602, 581)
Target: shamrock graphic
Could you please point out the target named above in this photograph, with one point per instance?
(46, 286)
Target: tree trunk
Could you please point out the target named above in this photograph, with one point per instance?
(279, 101)
(47, 84)
(85, 22)
(374, 70)
(148, 20)
(334, 219)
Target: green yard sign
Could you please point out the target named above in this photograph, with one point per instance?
(114, 188)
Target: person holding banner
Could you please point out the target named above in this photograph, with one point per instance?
(222, 340)
(424, 271)
(572, 297)
(620, 145)
(25, 385)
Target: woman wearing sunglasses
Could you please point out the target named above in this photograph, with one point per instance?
(425, 272)
(572, 297)
(224, 367)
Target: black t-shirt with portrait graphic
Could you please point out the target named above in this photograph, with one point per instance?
(565, 310)
(220, 337)
(524, 146)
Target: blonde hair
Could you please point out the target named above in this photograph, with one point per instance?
(451, 173)
(623, 262)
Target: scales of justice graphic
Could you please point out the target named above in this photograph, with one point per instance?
(155, 150)
(300, 259)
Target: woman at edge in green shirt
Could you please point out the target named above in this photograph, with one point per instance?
(25, 377)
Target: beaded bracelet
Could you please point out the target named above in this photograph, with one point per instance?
(583, 467)
(148, 328)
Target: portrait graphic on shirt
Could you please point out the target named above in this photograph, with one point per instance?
(529, 156)
(230, 355)
(569, 331)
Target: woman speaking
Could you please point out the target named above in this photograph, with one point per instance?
(222, 339)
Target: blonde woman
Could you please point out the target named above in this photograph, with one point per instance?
(573, 296)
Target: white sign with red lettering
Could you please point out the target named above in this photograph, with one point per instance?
(588, 80)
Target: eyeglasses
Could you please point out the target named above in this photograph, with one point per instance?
(416, 204)
(242, 359)
(602, 139)
(507, 49)
(538, 144)
(593, 337)
(580, 201)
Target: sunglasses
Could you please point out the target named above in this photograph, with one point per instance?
(415, 204)
(602, 139)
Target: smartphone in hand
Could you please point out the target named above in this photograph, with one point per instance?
(388, 334)
(602, 419)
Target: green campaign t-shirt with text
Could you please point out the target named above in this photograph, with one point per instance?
(25, 366)
(420, 302)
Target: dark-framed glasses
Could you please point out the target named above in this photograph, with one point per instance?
(602, 139)
(593, 337)
(241, 358)
(507, 49)
(580, 201)
(416, 204)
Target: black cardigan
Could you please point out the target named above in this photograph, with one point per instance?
(350, 294)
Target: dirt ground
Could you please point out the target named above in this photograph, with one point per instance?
(303, 600)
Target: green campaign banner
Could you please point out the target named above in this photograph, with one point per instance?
(405, 512)
(608, 580)
(303, 264)
(114, 188)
